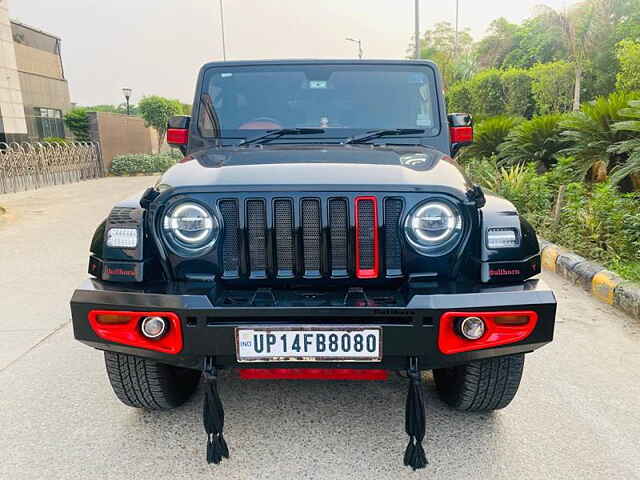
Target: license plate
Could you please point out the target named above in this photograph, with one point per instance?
(308, 344)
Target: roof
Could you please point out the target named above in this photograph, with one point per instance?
(316, 61)
(24, 25)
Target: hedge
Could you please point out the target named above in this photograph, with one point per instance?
(143, 163)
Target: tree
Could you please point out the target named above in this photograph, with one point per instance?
(574, 26)
(78, 122)
(551, 87)
(157, 111)
(533, 43)
(628, 54)
(456, 61)
(492, 50)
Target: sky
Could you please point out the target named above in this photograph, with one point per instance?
(156, 47)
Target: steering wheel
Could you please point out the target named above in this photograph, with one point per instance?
(261, 123)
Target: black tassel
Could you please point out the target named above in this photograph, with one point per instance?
(415, 423)
(213, 415)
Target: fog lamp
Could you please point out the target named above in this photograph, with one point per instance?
(153, 327)
(472, 328)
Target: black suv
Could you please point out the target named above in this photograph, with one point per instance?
(317, 227)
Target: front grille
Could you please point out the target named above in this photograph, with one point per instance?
(257, 233)
(339, 231)
(393, 250)
(230, 238)
(283, 225)
(309, 237)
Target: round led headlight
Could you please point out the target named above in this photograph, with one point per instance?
(434, 227)
(190, 229)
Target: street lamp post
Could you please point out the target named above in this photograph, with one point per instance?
(359, 42)
(127, 96)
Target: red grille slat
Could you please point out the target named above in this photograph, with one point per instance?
(367, 242)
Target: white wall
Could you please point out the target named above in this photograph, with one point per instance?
(11, 104)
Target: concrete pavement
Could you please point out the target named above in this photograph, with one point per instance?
(575, 416)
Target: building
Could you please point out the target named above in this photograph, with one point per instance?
(34, 94)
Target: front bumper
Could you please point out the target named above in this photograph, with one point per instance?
(409, 318)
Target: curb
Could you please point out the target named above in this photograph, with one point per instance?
(604, 285)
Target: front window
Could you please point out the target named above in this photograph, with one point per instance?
(341, 99)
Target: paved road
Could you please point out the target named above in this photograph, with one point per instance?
(576, 415)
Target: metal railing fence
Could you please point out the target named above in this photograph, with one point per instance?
(28, 166)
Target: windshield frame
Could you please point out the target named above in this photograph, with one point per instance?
(333, 135)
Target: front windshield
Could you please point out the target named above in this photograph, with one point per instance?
(341, 99)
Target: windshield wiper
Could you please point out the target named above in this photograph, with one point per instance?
(273, 134)
(365, 137)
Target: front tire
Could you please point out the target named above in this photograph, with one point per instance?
(142, 383)
(482, 385)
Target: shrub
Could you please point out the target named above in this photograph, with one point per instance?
(489, 134)
(630, 147)
(459, 98)
(596, 221)
(552, 87)
(487, 97)
(518, 96)
(628, 53)
(54, 140)
(592, 135)
(537, 140)
(142, 163)
(78, 122)
(600, 223)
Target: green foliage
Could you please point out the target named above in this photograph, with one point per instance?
(600, 223)
(157, 111)
(629, 147)
(552, 87)
(489, 134)
(439, 45)
(78, 122)
(628, 54)
(459, 98)
(534, 42)
(596, 220)
(591, 133)
(54, 140)
(518, 96)
(537, 140)
(142, 163)
(487, 98)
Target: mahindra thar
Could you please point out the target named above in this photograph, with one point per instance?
(317, 227)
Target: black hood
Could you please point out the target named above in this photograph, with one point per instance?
(319, 167)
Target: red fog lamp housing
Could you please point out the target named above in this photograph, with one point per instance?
(458, 330)
(158, 331)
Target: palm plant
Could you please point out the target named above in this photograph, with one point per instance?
(537, 140)
(631, 146)
(591, 134)
(579, 26)
(489, 134)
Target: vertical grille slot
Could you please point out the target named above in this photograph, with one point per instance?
(283, 225)
(311, 237)
(392, 246)
(367, 262)
(338, 235)
(230, 238)
(256, 230)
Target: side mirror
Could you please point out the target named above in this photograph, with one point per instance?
(178, 132)
(460, 131)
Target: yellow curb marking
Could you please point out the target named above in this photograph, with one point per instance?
(549, 257)
(603, 285)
